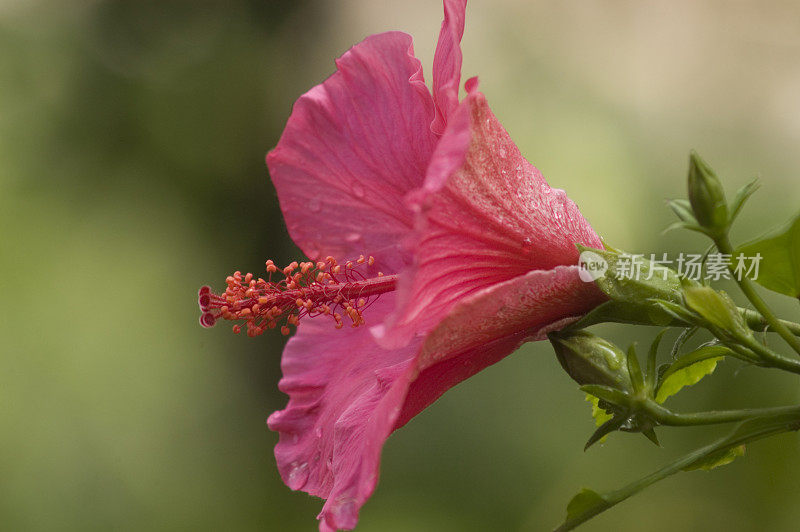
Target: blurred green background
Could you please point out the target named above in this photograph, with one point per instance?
(132, 138)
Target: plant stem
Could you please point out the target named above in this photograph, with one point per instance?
(750, 350)
(665, 416)
(757, 322)
(773, 358)
(724, 245)
(747, 431)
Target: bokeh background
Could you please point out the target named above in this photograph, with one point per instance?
(132, 138)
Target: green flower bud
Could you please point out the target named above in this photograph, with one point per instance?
(717, 308)
(633, 279)
(589, 359)
(706, 195)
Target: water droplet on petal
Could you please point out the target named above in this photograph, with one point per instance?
(297, 476)
(314, 205)
(358, 190)
(501, 152)
(527, 244)
(346, 508)
(353, 237)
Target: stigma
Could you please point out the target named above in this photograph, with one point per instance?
(340, 292)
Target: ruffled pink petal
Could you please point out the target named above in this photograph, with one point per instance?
(345, 393)
(493, 219)
(447, 63)
(352, 148)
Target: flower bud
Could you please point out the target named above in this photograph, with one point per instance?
(589, 359)
(706, 195)
(633, 279)
(717, 308)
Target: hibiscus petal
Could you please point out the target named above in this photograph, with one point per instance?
(447, 63)
(352, 148)
(491, 324)
(345, 393)
(493, 219)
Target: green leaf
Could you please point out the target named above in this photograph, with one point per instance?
(584, 505)
(687, 375)
(698, 355)
(715, 460)
(600, 416)
(779, 269)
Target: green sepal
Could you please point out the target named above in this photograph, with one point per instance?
(742, 195)
(628, 312)
(608, 394)
(678, 312)
(634, 370)
(684, 225)
(650, 434)
(683, 210)
(651, 374)
(604, 430)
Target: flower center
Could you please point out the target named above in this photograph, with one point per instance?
(311, 289)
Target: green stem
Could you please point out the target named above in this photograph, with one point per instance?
(757, 322)
(665, 416)
(749, 430)
(724, 245)
(750, 350)
(771, 357)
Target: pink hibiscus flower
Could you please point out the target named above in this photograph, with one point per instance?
(451, 248)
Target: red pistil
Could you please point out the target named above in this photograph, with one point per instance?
(311, 289)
